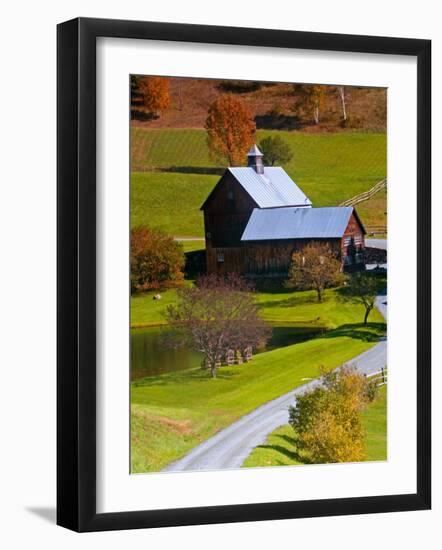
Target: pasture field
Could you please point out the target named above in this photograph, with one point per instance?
(172, 413)
(279, 308)
(172, 174)
(280, 447)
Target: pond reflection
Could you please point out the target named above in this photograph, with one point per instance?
(150, 357)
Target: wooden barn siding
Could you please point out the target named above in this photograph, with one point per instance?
(225, 219)
(259, 258)
(233, 260)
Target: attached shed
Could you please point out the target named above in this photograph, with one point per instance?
(272, 235)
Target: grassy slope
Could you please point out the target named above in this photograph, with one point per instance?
(174, 412)
(170, 201)
(279, 448)
(328, 167)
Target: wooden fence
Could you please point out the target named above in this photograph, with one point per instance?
(376, 230)
(379, 377)
(366, 195)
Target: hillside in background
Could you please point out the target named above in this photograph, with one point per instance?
(173, 172)
(272, 105)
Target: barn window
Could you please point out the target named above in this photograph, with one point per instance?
(208, 235)
(220, 257)
(230, 195)
(358, 239)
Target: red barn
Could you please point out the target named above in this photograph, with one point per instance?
(256, 217)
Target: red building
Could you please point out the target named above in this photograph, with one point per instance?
(256, 217)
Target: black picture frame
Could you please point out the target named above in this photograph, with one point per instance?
(76, 272)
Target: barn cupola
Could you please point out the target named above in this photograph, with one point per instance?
(254, 160)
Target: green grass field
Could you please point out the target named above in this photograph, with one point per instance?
(375, 423)
(281, 308)
(170, 201)
(174, 412)
(329, 168)
(280, 447)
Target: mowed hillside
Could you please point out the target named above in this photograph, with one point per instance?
(172, 173)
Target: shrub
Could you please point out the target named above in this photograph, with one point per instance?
(275, 150)
(156, 260)
(327, 419)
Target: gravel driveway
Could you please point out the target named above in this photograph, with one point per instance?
(376, 243)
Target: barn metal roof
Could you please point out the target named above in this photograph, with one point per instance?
(297, 223)
(271, 189)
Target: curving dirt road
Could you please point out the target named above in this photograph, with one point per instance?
(231, 446)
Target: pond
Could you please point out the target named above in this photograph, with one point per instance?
(149, 356)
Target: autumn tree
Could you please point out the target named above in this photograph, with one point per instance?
(275, 149)
(230, 129)
(156, 260)
(155, 91)
(216, 315)
(310, 99)
(327, 420)
(362, 288)
(315, 267)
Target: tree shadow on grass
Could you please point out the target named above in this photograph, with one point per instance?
(295, 300)
(371, 332)
(188, 377)
(289, 452)
(209, 170)
(283, 336)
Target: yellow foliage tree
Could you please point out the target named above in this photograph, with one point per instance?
(327, 418)
(230, 129)
(310, 99)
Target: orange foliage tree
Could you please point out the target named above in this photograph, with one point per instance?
(230, 129)
(155, 91)
(156, 260)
